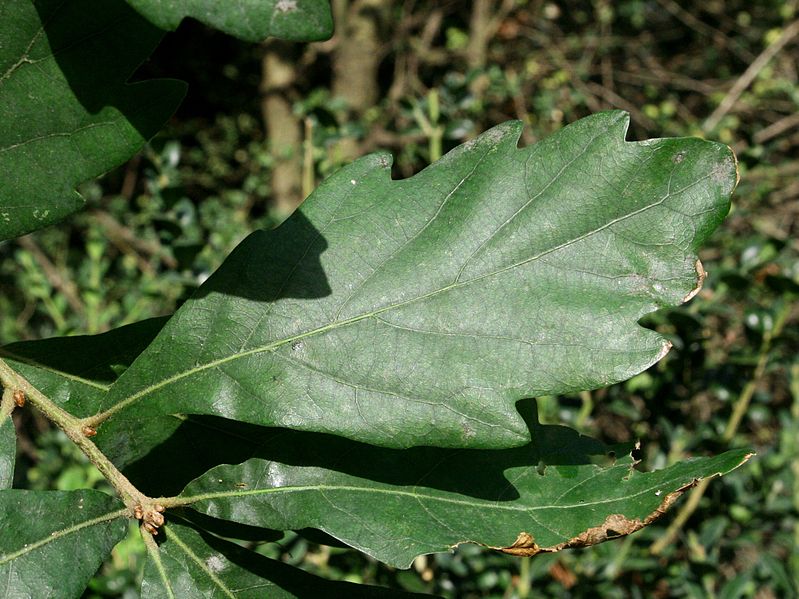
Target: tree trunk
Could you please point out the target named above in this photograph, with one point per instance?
(282, 127)
(358, 52)
(479, 34)
(356, 59)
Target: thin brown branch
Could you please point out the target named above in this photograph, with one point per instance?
(748, 76)
(129, 243)
(617, 101)
(139, 505)
(483, 25)
(131, 177)
(64, 286)
(777, 128)
(662, 77)
(563, 62)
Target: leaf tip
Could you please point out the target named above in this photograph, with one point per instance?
(746, 457)
(613, 120)
(507, 133)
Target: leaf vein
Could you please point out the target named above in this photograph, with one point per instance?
(55, 535)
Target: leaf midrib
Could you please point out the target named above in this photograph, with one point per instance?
(200, 563)
(186, 500)
(53, 536)
(49, 136)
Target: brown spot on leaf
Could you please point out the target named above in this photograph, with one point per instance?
(701, 275)
(664, 350)
(286, 6)
(614, 526)
(523, 546)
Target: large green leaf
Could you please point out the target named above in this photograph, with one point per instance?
(417, 312)
(66, 112)
(251, 20)
(553, 494)
(8, 451)
(197, 564)
(52, 542)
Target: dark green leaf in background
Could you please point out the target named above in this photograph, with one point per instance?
(66, 111)
(251, 20)
(52, 542)
(417, 312)
(198, 564)
(77, 371)
(563, 490)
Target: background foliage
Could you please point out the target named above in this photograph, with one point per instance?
(262, 123)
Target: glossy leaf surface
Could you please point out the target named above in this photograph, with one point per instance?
(417, 312)
(52, 542)
(66, 111)
(251, 20)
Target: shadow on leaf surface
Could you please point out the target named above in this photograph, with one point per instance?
(200, 443)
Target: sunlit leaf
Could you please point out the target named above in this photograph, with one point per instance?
(417, 312)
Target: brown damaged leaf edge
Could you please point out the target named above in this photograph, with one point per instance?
(701, 275)
(614, 526)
